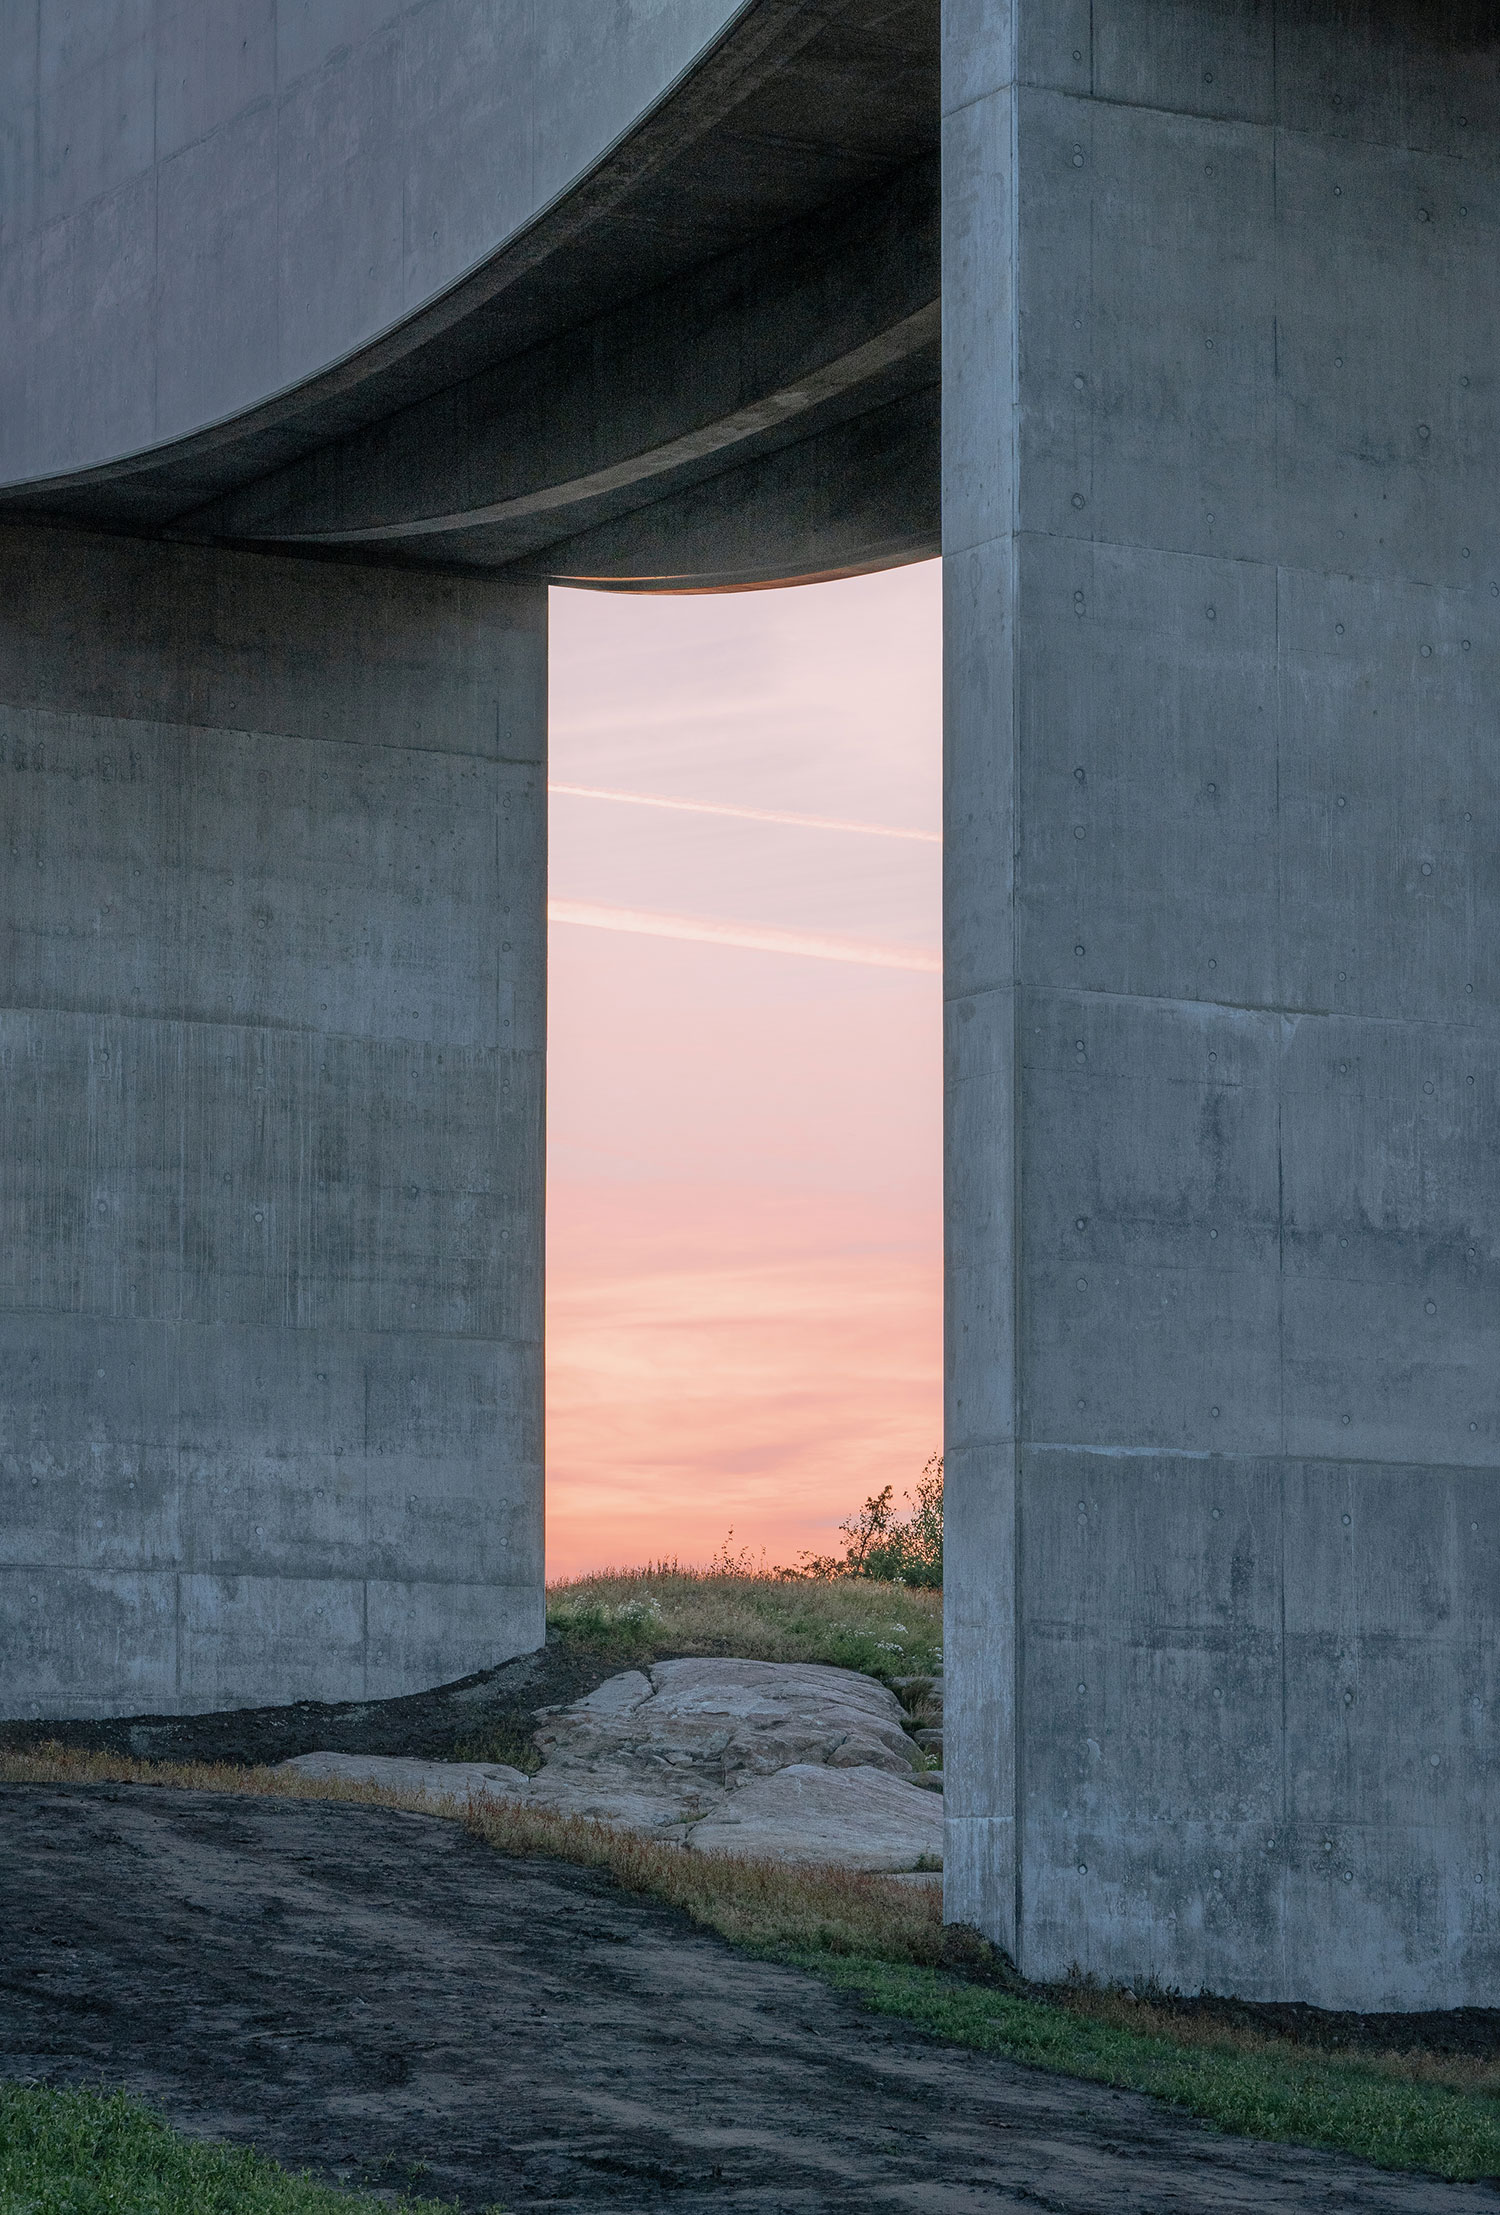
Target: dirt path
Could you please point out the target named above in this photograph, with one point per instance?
(345, 1988)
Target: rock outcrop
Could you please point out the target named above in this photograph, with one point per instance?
(859, 1818)
(794, 1761)
(433, 1780)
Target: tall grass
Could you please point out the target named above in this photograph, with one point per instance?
(635, 1616)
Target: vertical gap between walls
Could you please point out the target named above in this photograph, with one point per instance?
(1017, 1231)
(1284, 1028)
(538, 1051)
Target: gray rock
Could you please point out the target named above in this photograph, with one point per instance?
(608, 1798)
(795, 1761)
(432, 1780)
(858, 1818)
(720, 1721)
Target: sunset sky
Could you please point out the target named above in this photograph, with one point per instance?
(744, 1112)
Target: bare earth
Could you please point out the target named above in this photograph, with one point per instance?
(376, 1998)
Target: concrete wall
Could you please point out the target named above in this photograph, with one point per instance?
(201, 206)
(272, 946)
(1223, 574)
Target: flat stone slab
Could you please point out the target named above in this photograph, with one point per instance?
(433, 1780)
(860, 1818)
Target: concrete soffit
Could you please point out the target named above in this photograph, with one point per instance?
(714, 363)
(763, 349)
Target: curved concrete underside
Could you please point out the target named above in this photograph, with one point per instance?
(695, 343)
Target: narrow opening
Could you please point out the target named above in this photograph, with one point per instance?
(744, 1078)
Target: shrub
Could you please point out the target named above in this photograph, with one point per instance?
(890, 1548)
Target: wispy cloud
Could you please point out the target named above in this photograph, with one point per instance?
(708, 930)
(746, 815)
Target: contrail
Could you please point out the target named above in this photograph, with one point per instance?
(868, 953)
(747, 815)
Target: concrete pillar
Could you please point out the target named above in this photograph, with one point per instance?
(1223, 930)
(272, 935)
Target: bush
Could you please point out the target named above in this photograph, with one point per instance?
(890, 1548)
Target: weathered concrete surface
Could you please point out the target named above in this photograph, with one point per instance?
(274, 1020)
(204, 208)
(789, 338)
(360, 1992)
(271, 1035)
(1223, 579)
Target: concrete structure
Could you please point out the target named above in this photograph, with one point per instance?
(307, 386)
(399, 311)
(1221, 313)
(271, 1061)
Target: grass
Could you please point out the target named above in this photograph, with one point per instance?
(509, 1743)
(886, 1944)
(87, 2153)
(635, 1616)
(1256, 2087)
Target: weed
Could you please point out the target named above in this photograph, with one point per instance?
(506, 1743)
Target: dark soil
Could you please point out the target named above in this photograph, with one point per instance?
(1474, 2031)
(467, 1720)
(382, 2000)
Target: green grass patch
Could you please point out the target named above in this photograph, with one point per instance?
(635, 1616)
(1266, 2089)
(88, 2153)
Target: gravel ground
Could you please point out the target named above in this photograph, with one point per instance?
(379, 1999)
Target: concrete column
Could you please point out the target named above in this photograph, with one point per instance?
(272, 941)
(1223, 575)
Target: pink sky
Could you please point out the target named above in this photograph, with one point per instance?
(744, 1088)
